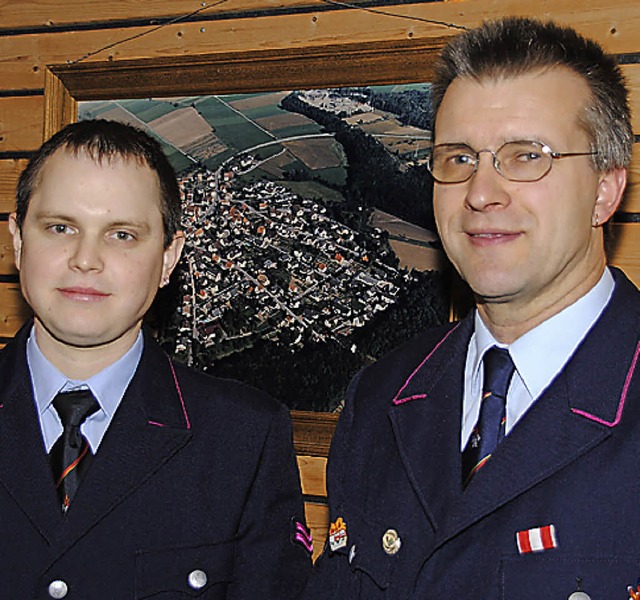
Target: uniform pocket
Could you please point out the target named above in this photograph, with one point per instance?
(527, 577)
(364, 549)
(192, 572)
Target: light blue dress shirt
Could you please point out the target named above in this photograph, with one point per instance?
(538, 355)
(108, 387)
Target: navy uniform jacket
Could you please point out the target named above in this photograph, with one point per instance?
(194, 476)
(567, 477)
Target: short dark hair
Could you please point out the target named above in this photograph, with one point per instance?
(105, 140)
(513, 46)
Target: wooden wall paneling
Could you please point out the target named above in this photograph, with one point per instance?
(631, 201)
(313, 483)
(615, 25)
(10, 170)
(14, 310)
(313, 432)
(7, 264)
(22, 54)
(632, 74)
(21, 119)
(626, 249)
(43, 14)
(317, 515)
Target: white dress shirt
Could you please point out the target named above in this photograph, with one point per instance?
(538, 355)
(108, 387)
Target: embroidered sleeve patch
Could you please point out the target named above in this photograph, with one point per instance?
(537, 539)
(300, 534)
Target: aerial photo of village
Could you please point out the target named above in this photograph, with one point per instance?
(310, 237)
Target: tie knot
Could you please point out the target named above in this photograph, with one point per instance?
(498, 370)
(74, 407)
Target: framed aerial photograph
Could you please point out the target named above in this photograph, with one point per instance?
(307, 209)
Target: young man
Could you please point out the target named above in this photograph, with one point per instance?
(498, 457)
(124, 474)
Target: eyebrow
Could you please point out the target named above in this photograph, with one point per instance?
(45, 215)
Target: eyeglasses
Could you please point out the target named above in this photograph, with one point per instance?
(522, 160)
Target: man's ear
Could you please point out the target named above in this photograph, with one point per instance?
(171, 257)
(610, 191)
(16, 234)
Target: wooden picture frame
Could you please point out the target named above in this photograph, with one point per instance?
(376, 63)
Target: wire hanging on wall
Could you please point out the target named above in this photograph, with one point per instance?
(206, 6)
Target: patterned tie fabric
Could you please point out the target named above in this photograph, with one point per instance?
(489, 431)
(71, 454)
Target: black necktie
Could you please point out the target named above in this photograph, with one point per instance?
(489, 431)
(71, 455)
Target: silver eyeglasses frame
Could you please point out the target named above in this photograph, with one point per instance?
(543, 149)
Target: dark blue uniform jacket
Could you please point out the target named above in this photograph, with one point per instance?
(194, 475)
(557, 507)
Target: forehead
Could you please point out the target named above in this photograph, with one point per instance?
(70, 178)
(543, 104)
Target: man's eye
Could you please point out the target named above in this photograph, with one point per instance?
(526, 157)
(123, 236)
(461, 159)
(59, 228)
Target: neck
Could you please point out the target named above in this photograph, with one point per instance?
(82, 362)
(508, 320)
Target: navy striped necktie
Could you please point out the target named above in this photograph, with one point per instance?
(71, 454)
(490, 429)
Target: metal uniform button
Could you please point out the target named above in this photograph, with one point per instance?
(579, 596)
(58, 589)
(391, 541)
(197, 579)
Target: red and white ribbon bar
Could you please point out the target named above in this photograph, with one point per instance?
(537, 539)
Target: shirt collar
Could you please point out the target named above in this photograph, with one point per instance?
(108, 386)
(555, 339)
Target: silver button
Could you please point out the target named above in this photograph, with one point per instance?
(352, 553)
(197, 579)
(391, 541)
(58, 589)
(579, 596)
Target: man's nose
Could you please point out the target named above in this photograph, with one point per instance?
(86, 254)
(486, 187)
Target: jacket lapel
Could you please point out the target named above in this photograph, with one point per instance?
(426, 424)
(577, 413)
(580, 409)
(149, 428)
(24, 465)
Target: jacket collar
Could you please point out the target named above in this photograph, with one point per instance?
(581, 408)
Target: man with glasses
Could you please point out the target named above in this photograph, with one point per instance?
(499, 457)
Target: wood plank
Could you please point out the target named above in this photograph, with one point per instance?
(632, 73)
(21, 123)
(7, 264)
(10, 170)
(615, 24)
(52, 13)
(625, 252)
(317, 516)
(631, 201)
(312, 475)
(312, 432)
(15, 310)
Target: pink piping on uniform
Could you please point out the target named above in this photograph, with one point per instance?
(177, 384)
(157, 424)
(397, 400)
(623, 397)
